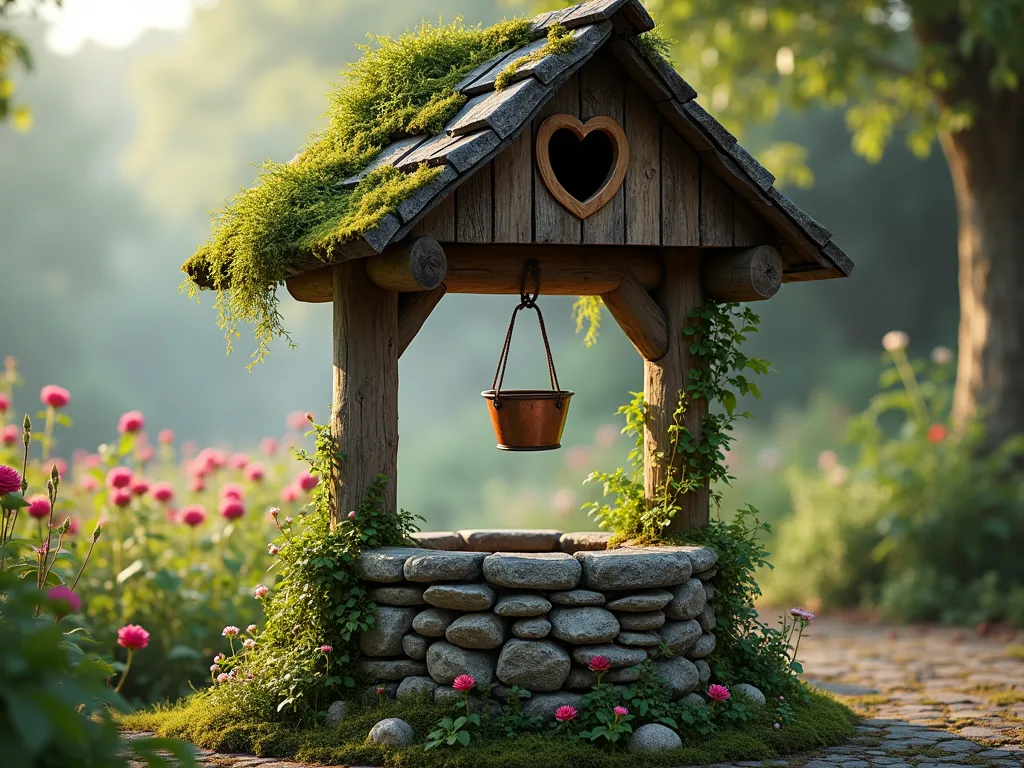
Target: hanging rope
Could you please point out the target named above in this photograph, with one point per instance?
(527, 300)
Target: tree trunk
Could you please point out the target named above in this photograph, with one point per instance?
(987, 164)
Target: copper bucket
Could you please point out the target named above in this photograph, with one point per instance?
(527, 419)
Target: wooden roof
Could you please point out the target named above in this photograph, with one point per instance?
(491, 120)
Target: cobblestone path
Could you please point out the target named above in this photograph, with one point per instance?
(931, 698)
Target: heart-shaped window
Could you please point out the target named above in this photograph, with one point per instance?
(582, 165)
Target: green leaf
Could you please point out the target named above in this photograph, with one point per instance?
(463, 737)
(13, 501)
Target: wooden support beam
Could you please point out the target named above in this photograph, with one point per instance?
(413, 311)
(364, 417)
(415, 264)
(664, 379)
(753, 274)
(639, 316)
(566, 270)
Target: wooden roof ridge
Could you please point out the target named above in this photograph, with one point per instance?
(491, 120)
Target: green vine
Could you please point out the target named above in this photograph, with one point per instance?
(317, 602)
(716, 332)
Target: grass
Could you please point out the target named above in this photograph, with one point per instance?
(820, 723)
(1015, 651)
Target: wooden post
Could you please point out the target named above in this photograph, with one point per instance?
(663, 380)
(364, 419)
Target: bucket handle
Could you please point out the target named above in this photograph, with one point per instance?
(527, 300)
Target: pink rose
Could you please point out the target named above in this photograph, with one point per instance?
(53, 396)
(718, 693)
(565, 714)
(10, 435)
(38, 506)
(131, 423)
(133, 637)
(10, 480)
(621, 711)
(119, 477)
(464, 683)
(231, 509)
(162, 492)
(63, 600)
(307, 482)
(193, 515)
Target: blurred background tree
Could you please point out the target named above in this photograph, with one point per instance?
(935, 69)
(14, 52)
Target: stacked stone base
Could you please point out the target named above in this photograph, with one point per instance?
(532, 608)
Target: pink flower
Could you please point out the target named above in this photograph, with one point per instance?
(231, 509)
(166, 436)
(5, 403)
(231, 491)
(290, 493)
(92, 460)
(621, 711)
(64, 600)
(38, 506)
(238, 461)
(326, 649)
(133, 637)
(254, 472)
(273, 549)
(269, 446)
(219, 658)
(193, 515)
(119, 477)
(307, 482)
(599, 664)
(297, 421)
(230, 631)
(131, 422)
(249, 643)
(251, 629)
(261, 591)
(718, 692)
(146, 453)
(10, 435)
(121, 497)
(464, 683)
(89, 483)
(777, 726)
(223, 677)
(10, 480)
(140, 486)
(801, 614)
(197, 485)
(564, 714)
(352, 515)
(54, 396)
(274, 512)
(162, 492)
(214, 668)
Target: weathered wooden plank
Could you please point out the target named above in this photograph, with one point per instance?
(655, 76)
(757, 172)
(364, 416)
(415, 264)
(753, 274)
(748, 227)
(390, 155)
(474, 208)
(838, 257)
(685, 125)
(587, 40)
(503, 111)
(629, 15)
(817, 232)
(664, 380)
(639, 316)
(379, 237)
(513, 192)
(413, 311)
(439, 221)
(711, 127)
(485, 83)
(468, 84)
(643, 179)
(461, 152)
(409, 208)
(553, 223)
(715, 210)
(602, 94)
(680, 190)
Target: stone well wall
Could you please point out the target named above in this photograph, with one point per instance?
(531, 608)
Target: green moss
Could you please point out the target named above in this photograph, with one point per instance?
(560, 41)
(399, 87)
(820, 723)
(656, 43)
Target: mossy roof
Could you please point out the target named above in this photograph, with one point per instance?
(417, 115)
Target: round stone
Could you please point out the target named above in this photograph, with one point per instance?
(522, 605)
(526, 570)
(688, 601)
(384, 637)
(394, 669)
(709, 591)
(385, 565)
(416, 686)
(707, 619)
(679, 674)
(461, 597)
(444, 540)
(394, 732)
(701, 558)
(584, 541)
(641, 621)
(545, 704)
(639, 639)
(435, 565)
(641, 602)
(577, 597)
(634, 568)
(433, 622)
(704, 646)
(707, 575)
(532, 629)
(415, 646)
(703, 670)
(617, 655)
(476, 630)
(336, 713)
(397, 595)
(583, 626)
(446, 661)
(752, 693)
(539, 665)
(694, 700)
(510, 540)
(680, 636)
(654, 737)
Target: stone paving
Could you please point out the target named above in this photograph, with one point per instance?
(930, 697)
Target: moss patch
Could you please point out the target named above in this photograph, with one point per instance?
(560, 41)
(400, 87)
(820, 723)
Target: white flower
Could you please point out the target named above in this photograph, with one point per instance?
(895, 340)
(942, 355)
